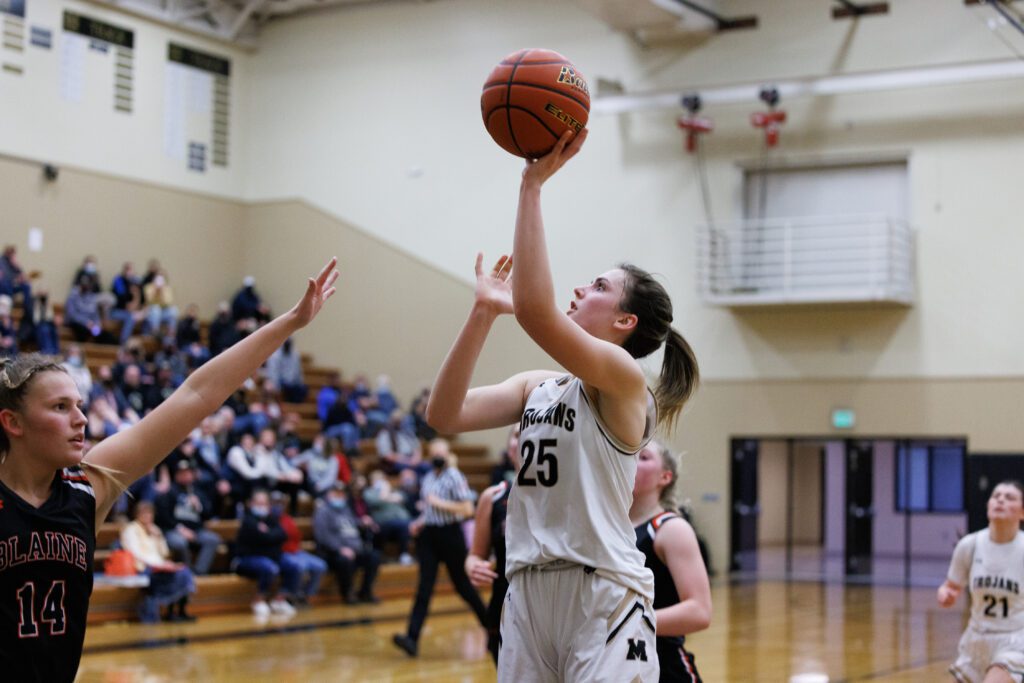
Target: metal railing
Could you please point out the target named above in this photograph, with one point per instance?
(821, 259)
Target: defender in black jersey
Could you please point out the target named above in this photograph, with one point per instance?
(489, 533)
(52, 493)
(682, 597)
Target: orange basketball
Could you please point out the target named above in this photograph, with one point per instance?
(531, 98)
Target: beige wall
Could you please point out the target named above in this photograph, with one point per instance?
(196, 237)
(985, 411)
(392, 314)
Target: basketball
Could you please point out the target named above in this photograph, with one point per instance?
(531, 98)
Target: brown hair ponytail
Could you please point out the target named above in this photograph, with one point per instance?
(647, 299)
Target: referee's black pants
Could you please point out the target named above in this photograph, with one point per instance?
(434, 545)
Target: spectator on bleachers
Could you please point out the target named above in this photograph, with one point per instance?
(168, 356)
(103, 418)
(282, 475)
(387, 508)
(170, 583)
(288, 438)
(129, 306)
(284, 369)
(250, 416)
(386, 401)
(345, 421)
(258, 556)
(222, 332)
(409, 487)
(161, 313)
(13, 280)
(320, 466)
(39, 325)
(152, 270)
(106, 388)
(398, 448)
(182, 513)
(364, 401)
(247, 472)
(337, 451)
(189, 329)
(89, 267)
(506, 469)
(82, 314)
(134, 391)
(303, 564)
(339, 539)
(74, 363)
(162, 387)
(418, 417)
(248, 306)
(326, 397)
(8, 329)
(210, 465)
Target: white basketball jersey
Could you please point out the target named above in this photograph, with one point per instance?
(994, 573)
(571, 498)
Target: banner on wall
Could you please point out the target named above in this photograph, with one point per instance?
(90, 50)
(197, 91)
(13, 7)
(13, 46)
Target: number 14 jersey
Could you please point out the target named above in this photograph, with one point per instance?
(994, 573)
(570, 500)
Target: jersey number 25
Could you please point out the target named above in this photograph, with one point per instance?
(547, 464)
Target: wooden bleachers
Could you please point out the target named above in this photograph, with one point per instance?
(222, 591)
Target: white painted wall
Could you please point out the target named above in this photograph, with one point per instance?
(372, 114)
(37, 122)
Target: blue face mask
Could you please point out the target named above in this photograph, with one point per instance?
(259, 510)
(338, 503)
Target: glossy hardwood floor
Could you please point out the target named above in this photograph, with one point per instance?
(764, 631)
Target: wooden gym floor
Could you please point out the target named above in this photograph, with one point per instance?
(763, 631)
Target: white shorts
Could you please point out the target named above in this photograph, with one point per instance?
(562, 622)
(980, 651)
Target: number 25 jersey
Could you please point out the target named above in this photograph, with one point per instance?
(570, 500)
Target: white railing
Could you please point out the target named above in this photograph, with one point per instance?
(821, 259)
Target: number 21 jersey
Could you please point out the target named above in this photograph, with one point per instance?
(570, 500)
(994, 573)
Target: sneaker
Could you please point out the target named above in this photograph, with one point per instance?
(405, 643)
(405, 559)
(261, 609)
(281, 606)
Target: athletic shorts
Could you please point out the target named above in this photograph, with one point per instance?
(563, 622)
(980, 651)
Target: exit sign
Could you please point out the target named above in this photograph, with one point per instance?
(843, 418)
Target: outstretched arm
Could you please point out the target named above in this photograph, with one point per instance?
(136, 451)
(598, 363)
(453, 407)
(676, 545)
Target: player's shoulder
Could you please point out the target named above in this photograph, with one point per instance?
(76, 479)
(532, 379)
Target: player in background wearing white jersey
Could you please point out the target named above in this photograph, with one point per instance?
(682, 594)
(579, 601)
(52, 497)
(990, 563)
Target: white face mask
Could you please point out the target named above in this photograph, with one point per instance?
(259, 510)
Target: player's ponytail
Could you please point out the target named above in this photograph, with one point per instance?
(647, 299)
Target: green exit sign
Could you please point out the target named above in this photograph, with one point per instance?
(843, 418)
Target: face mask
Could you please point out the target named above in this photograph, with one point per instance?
(259, 510)
(338, 503)
(438, 461)
(90, 268)
(75, 362)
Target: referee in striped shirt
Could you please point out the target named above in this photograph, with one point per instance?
(447, 500)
